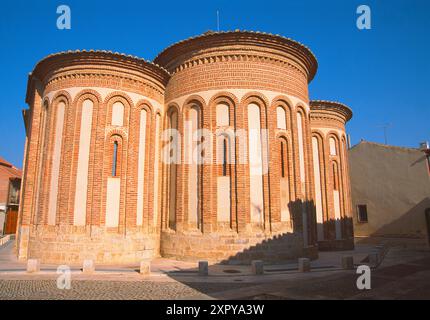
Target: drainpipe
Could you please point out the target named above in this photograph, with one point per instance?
(424, 146)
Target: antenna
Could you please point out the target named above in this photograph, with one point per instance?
(385, 127)
(217, 20)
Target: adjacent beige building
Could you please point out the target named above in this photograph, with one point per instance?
(390, 193)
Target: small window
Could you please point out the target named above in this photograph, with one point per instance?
(224, 157)
(115, 159)
(362, 213)
(282, 160)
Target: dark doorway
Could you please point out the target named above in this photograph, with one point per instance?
(428, 223)
(11, 221)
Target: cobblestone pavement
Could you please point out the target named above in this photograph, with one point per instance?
(99, 290)
(404, 274)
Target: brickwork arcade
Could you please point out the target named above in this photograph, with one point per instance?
(213, 151)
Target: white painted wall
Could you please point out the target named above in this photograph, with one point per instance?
(222, 115)
(318, 191)
(193, 167)
(118, 114)
(337, 216)
(141, 167)
(223, 199)
(302, 175)
(332, 144)
(255, 164)
(281, 118)
(285, 199)
(113, 201)
(156, 167)
(56, 157)
(80, 207)
(2, 219)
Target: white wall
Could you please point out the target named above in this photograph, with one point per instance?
(80, 208)
(56, 157)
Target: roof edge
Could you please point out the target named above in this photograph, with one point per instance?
(347, 111)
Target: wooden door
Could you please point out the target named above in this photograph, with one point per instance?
(11, 221)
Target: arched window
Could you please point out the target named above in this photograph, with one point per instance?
(223, 181)
(284, 183)
(224, 157)
(113, 188)
(115, 159)
(335, 176)
(281, 118)
(172, 124)
(301, 142)
(283, 158)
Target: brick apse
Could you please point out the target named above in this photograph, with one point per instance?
(117, 168)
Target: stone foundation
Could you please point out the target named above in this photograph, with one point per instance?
(234, 247)
(73, 245)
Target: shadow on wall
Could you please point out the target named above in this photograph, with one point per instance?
(281, 247)
(338, 235)
(284, 248)
(412, 227)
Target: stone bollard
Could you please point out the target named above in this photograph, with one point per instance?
(347, 262)
(257, 267)
(304, 265)
(88, 267)
(33, 265)
(145, 268)
(203, 268)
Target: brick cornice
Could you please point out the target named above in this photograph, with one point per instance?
(96, 64)
(330, 110)
(245, 45)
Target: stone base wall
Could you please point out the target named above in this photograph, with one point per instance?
(234, 247)
(336, 245)
(72, 245)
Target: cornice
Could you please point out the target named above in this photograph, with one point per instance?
(176, 54)
(330, 109)
(130, 66)
(241, 56)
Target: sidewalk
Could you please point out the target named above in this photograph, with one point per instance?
(403, 274)
(161, 267)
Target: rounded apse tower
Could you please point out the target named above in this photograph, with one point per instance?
(90, 166)
(333, 201)
(253, 199)
(207, 153)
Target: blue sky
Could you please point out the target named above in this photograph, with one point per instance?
(382, 73)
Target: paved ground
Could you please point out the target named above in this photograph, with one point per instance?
(404, 274)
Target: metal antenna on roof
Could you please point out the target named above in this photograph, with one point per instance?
(385, 127)
(217, 20)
